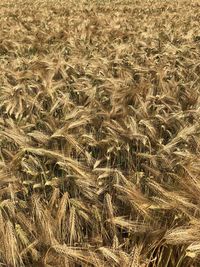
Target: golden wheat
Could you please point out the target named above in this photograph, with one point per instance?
(99, 133)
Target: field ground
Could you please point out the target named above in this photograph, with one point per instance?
(99, 133)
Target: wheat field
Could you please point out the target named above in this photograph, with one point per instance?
(99, 133)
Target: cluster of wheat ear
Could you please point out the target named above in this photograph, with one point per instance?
(99, 133)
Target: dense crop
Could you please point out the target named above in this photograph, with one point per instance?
(99, 133)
